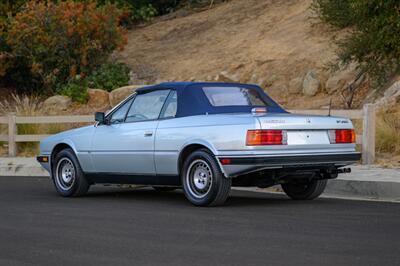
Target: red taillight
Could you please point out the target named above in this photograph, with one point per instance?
(345, 136)
(264, 137)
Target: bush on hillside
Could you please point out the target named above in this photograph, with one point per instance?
(109, 76)
(45, 44)
(337, 13)
(76, 89)
(143, 10)
(374, 42)
(60, 41)
(144, 13)
(8, 9)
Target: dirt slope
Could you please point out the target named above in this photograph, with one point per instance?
(268, 42)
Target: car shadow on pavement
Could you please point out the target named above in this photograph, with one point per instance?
(236, 198)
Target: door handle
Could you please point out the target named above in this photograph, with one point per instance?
(148, 133)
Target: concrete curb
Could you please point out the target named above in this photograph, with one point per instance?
(369, 182)
(21, 166)
(376, 190)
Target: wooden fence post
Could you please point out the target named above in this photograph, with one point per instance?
(368, 138)
(12, 132)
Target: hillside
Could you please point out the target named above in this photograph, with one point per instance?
(273, 43)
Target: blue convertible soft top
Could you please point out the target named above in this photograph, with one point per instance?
(193, 101)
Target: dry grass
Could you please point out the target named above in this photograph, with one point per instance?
(24, 105)
(388, 130)
(28, 106)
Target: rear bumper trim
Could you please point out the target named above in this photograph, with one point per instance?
(282, 160)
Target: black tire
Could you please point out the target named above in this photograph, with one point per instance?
(164, 189)
(305, 190)
(68, 177)
(203, 182)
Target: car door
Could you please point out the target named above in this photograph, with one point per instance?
(167, 138)
(126, 145)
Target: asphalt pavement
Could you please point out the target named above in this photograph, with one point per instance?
(126, 226)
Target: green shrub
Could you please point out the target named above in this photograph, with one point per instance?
(144, 10)
(109, 76)
(374, 42)
(77, 89)
(337, 13)
(43, 44)
(144, 13)
(8, 9)
(60, 41)
(136, 10)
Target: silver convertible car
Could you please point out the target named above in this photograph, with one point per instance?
(204, 138)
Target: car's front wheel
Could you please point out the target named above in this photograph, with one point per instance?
(304, 190)
(68, 177)
(203, 182)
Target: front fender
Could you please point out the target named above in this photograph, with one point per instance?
(70, 143)
(83, 156)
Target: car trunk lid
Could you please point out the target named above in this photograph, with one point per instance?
(303, 129)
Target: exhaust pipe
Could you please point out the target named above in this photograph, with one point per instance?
(333, 173)
(344, 170)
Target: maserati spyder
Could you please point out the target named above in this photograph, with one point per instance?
(203, 138)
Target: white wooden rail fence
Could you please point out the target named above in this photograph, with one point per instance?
(367, 139)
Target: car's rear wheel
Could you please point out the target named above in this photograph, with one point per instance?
(68, 177)
(203, 182)
(304, 190)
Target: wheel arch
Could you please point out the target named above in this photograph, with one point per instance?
(59, 147)
(191, 147)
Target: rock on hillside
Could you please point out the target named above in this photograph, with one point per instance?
(311, 84)
(98, 99)
(57, 104)
(391, 95)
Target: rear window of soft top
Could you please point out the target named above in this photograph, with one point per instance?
(233, 96)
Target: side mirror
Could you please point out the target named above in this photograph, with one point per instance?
(100, 117)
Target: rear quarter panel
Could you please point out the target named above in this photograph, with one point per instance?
(216, 132)
(225, 135)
